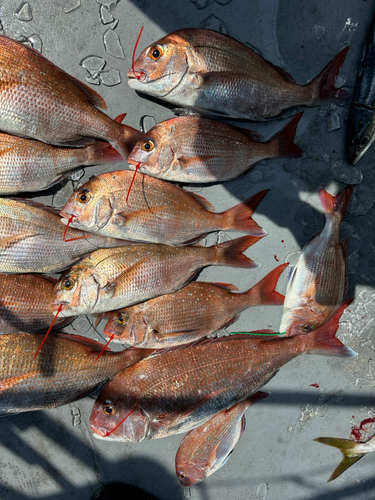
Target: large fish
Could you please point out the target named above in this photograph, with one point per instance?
(29, 165)
(207, 448)
(40, 101)
(119, 277)
(318, 283)
(181, 388)
(214, 74)
(156, 212)
(350, 450)
(64, 371)
(195, 311)
(194, 149)
(31, 239)
(360, 132)
(25, 303)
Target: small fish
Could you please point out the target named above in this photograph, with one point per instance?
(195, 311)
(181, 388)
(207, 448)
(158, 211)
(110, 279)
(25, 303)
(41, 101)
(195, 149)
(29, 165)
(64, 371)
(360, 132)
(318, 283)
(350, 450)
(214, 74)
(31, 239)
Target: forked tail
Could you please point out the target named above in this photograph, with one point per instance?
(283, 141)
(230, 253)
(338, 204)
(348, 448)
(264, 293)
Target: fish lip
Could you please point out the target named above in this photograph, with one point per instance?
(133, 162)
(62, 303)
(133, 75)
(98, 431)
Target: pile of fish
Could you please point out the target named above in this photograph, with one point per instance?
(130, 247)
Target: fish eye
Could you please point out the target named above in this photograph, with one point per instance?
(156, 52)
(181, 474)
(148, 146)
(122, 318)
(307, 328)
(109, 408)
(83, 197)
(68, 284)
(363, 141)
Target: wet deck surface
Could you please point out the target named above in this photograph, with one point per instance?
(52, 454)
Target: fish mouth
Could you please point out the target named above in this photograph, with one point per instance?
(140, 76)
(133, 162)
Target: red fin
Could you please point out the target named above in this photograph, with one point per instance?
(202, 201)
(11, 382)
(264, 293)
(119, 118)
(230, 252)
(225, 286)
(335, 204)
(284, 139)
(101, 152)
(324, 340)
(239, 217)
(96, 346)
(127, 139)
(323, 85)
(258, 396)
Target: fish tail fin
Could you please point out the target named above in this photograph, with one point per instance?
(349, 450)
(264, 293)
(101, 152)
(333, 205)
(126, 139)
(239, 217)
(284, 140)
(322, 87)
(230, 253)
(324, 341)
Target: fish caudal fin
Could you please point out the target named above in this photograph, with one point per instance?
(284, 140)
(322, 87)
(230, 253)
(264, 293)
(324, 339)
(349, 450)
(126, 140)
(335, 204)
(239, 217)
(101, 152)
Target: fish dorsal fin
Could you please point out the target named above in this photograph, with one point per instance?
(202, 201)
(92, 96)
(119, 118)
(225, 286)
(36, 204)
(94, 344)
(288, 77)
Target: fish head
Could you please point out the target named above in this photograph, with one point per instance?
(90, 205)
(116, 417)
(154, 152)
(122, 325)
(161, 66)
(361, 133)
(299, 321)
(77, 291)
(189, 473)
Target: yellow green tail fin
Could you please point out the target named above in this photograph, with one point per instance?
(347, 448)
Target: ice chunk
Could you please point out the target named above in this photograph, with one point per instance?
(255, 176)
(214, 23)
(71, 5)
(77, 175)
(62, 196)
(110, 78)
(343, 172)
(306, 415)
(105, 16)
(146, 122)
(333, 117)
(113, 45)
(361, 201)
(200, 4)
(171, 446)
(93, 64)
(1, 25)
(321, 410)
(340, 81)
(93, 81)
(353, 262)
(347, 32)
(109, 4)
(36, 42)
(326, 158)
(346, 230)
(76, 414)
(24, 12)
(262, 491)
(319, 31)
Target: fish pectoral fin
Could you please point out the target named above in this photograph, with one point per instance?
(120, 219)
(8, 241)
(9, 383)
(186, 162)
(175, 334)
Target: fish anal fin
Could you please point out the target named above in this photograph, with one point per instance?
(226, 286)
